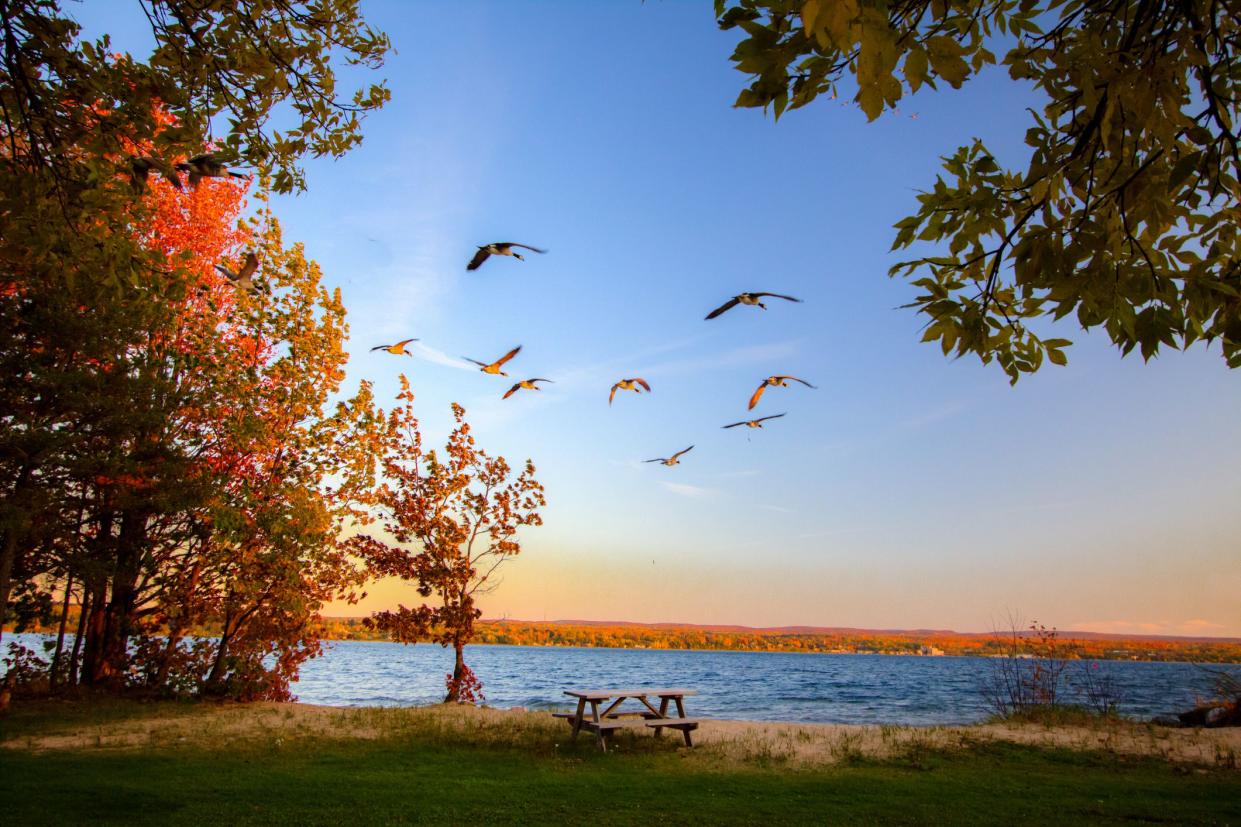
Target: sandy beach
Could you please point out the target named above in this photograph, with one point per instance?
(799, 744)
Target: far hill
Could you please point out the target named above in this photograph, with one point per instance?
(838, 640)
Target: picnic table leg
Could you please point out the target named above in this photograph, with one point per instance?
(577, 720)
(689, 742)
(663, 713)
(594, 712)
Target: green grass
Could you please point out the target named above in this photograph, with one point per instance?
(1056, 715)
(424, 775)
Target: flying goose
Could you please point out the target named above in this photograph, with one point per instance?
(628, 385)
(528, 384)
(242, 278)
(747, 298)
(206, 166)
(672, 460)
(494, 367)
(499, 248)
(396, 350)
(775, 382)
(754, 423)
(140, 168)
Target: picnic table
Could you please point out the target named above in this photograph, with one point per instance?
(612, 718)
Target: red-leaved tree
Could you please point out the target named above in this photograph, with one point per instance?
(452, 518)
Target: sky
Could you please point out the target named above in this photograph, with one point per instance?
(907, 491)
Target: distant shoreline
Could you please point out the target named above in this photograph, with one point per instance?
(819, 640)
(765, 652)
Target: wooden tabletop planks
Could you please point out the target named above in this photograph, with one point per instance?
(604, 694)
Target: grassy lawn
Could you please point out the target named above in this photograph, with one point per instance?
(421, 775)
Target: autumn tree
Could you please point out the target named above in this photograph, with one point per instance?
(82, 286)
(1125, 215)
(450, 521)
(183, 478)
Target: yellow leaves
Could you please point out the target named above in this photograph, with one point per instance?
(945, 57)
(915, 69)
(831, 22)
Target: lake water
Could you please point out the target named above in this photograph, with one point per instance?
(761, 686)
(772, 686)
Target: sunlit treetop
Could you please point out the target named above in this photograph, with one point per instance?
(219, 69)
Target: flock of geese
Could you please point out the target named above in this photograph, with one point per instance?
(208, 166)
(634, 383)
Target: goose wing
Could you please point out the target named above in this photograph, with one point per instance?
(657, 459)
(795, 379)
(511, 391)
(380, 347)
(643, 383)
(776, 296)
(523, 246)
(678, 453)
(507, 356)
(758, 394)
(612, 395)
(726, 306)
(765, 418)
(734, 425)
(475, 361)
(249, 266)
(482, 255)
(228, 274)
(146, 163)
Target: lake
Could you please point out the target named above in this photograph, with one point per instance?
(760, 686)
(772, 686)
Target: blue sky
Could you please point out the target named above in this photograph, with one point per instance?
(907, 491)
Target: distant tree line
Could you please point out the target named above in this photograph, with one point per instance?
(521, 633)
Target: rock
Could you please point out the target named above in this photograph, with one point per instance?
(1212, 715)
(1194, 717)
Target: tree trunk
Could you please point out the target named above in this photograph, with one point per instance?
(215, 678)
(96, 622)
(458, 672)
(77, 639)
(12, 537)
(60, 635)
(8, 553)
(95, 585)
(130, 546)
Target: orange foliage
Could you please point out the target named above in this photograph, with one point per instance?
(1070, 645)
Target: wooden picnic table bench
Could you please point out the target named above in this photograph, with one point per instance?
(610, 719)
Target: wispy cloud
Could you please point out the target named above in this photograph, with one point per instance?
(685, 490)
(439, 357)
(591, 374)
(733, 357)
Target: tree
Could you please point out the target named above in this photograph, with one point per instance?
(454, 519)
(164, 441)
(71, 107)
(1126, 214)
(187, 448)
(74, 118)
